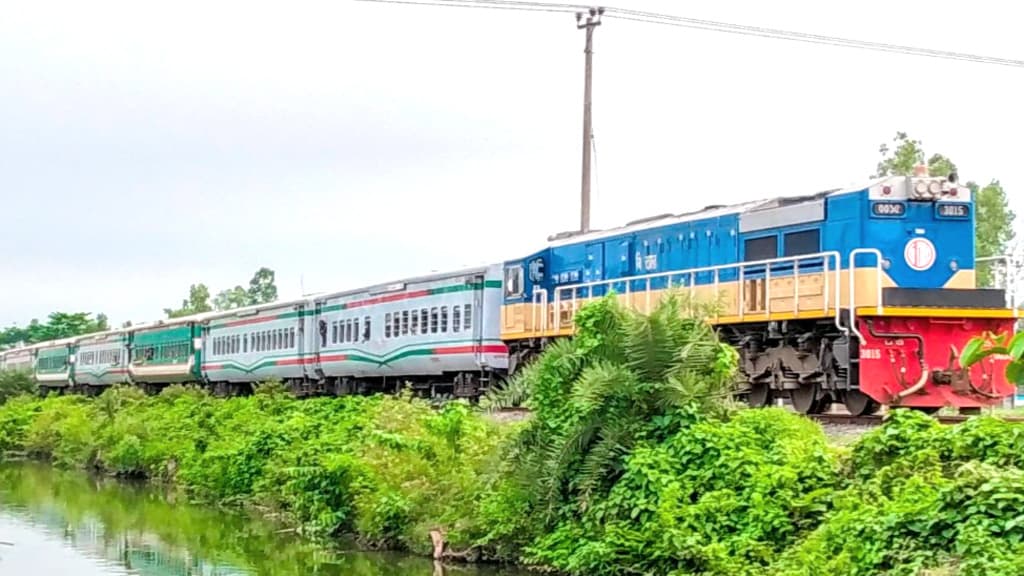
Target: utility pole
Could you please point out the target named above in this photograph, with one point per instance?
(593, 20)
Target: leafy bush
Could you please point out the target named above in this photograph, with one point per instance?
(929, 496)
(389, 468)
(15, 383)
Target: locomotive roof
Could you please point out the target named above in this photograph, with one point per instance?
(712, 211)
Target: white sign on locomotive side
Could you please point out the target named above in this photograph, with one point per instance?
(919, 254)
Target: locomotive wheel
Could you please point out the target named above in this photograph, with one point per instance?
(858, 403)
(760, 395)
(805, 399)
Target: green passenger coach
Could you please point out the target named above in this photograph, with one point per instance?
(166, 353)
(54, 366)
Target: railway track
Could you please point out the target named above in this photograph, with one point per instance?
(877, 419)
(836, 418)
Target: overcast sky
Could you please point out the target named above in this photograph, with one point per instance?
(340, 143)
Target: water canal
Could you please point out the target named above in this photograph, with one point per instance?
(56, 522)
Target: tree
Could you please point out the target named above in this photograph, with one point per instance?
(59, 325)
(994, 220)
(994, 232)
(236, 297)
(262, 288)
(198, 302)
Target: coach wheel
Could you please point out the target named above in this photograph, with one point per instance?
(858, 403)
(805, 399)
(760, 395)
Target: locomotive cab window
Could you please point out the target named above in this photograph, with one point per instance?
(513, 281)
(803, 242)
(763, 248)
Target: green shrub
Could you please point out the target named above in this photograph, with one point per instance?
(15, 383)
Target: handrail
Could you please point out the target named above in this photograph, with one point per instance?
(1009, 281)
(540, 306)
(853, 287)
(690, 274)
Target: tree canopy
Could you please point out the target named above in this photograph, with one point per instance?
(994, 220)
(262, 289)
(58, 325)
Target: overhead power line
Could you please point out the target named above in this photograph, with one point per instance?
(492, 5)
(715, 26)
(774, 33)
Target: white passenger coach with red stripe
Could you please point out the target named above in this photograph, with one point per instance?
(436, 333)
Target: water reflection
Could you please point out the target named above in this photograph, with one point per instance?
(71, 523)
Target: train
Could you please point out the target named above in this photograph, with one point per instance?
(861, 296)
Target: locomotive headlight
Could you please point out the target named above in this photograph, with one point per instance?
(935, 187)
(921, 188)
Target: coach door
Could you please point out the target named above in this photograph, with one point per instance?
(301, 347)
(317, 340)
(478, 319)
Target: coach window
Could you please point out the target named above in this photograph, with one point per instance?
(456, 318)
(803, 242)
(348, 330)
(334, 332)
(291, 338)
(405, 322)
(433, 320)
(763, 248)
(387, 325)
(467, 317)
(366, 328)
(414, 322)
(355, 330)
(444, 318)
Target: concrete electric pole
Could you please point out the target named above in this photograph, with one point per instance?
(593, 20)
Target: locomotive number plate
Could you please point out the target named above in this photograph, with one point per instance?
(888, 208)
(953, 210)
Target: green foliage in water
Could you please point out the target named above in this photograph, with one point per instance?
(387, 469)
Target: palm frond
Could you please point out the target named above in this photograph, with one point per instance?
(597, 383)
(603, 462)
